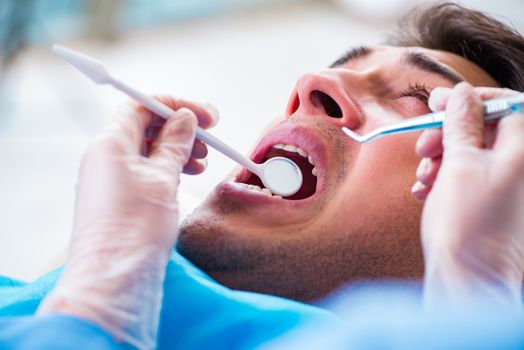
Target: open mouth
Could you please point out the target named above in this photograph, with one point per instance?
(302, 159)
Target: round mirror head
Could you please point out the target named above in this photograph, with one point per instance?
(282, 176)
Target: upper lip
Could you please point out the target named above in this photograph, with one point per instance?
(304, 137)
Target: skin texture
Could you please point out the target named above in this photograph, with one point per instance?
(362, 223)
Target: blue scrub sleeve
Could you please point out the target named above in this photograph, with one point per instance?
(54, 332)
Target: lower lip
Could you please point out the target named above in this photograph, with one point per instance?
(237, 192)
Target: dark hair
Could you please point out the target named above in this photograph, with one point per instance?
(497, 48)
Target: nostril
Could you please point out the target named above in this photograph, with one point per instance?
(331, 107)
(293, 104)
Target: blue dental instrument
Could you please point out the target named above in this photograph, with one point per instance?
(493, 110)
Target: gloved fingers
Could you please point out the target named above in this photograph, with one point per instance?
(420, 191)
(437, 102)
(131, 121)
(439, 96)
(429, 143)
(464, 122)
(195, 166)
(491, 128)
(488, 93)
(151, 134)
(175, 141)
(438, 99)
(199, 150)
(509, 132)
(428, 169)
(510, 136)
(197, 162)
(206, 113)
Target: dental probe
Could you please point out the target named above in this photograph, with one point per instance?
(280, 175)
(493, 110)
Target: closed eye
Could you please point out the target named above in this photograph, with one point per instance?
(418, 91)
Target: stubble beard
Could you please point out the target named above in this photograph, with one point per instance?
(304, 266)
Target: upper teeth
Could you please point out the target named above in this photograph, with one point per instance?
(300, 151)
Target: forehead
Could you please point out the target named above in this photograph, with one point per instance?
(392, 57)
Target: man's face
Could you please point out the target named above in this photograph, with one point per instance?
(354, 217)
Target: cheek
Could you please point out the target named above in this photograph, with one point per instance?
(389, 164)
(379, 175)
(396, 154)
(377, 116)
(273, 124)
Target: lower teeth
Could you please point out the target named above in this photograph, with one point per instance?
(258, 189)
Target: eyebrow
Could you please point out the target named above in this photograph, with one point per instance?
(428, 64)
(415, 59)
(352, 54)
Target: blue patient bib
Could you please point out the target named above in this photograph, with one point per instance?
(197, 312)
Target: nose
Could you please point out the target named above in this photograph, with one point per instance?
(323, 95)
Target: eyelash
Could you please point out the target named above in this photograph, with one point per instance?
(418, 91)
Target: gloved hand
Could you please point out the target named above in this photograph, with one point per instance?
(472, 177)
(126, 220)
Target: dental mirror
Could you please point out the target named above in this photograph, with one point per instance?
(280, 175)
